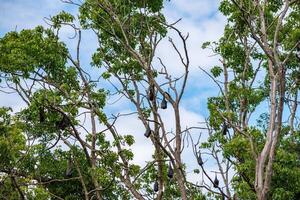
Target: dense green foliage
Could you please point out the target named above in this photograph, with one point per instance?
(49, 152)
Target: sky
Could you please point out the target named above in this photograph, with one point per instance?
(200, 18)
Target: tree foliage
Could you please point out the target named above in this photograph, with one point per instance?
(63, 144)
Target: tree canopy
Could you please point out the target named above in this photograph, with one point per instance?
(63, 144)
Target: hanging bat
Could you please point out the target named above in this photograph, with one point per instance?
(199, 159)
(63, 123)
(216, 182)
(170, 171)
(151, 93)
(224, 129)
(148, 132)
(164, 103)
(155, 187)
(42, 116)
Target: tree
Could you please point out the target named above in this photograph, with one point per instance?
(260, 41)
(53, 153)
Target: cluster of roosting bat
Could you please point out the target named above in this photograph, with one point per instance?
(163, 105)
(148, 132)
(151, 97)
(200, 163)
(170, 175)
(65, 122)
(62, 124)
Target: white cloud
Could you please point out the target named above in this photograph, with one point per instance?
(26, 14)
(193, 9)
(210, 29)
(11, 100)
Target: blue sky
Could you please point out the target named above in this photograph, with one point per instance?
(200, 18)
